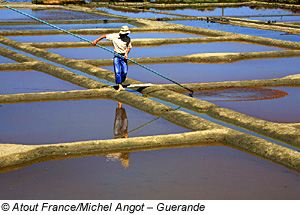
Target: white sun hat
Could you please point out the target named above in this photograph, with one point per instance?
(124, 30)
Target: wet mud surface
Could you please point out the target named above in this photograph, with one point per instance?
(239, 94)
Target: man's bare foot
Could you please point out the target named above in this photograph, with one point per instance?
(120, 88)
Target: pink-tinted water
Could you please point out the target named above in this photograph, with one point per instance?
(212, 172)
(162, 51)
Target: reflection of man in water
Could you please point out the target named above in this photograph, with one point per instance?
(121, 122)
(120, 131)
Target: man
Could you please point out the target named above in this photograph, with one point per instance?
(122, 46)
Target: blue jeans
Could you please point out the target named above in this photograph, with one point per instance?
(120, 68)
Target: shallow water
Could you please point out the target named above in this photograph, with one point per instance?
(135, 15)
(13, 82)
(69, 121)
(186, 173)
(229, 11)
(183, 173)
(286, 108)
(18, 0)
(240, 30)
(278, 19)
(158, 35)
(6, 60)
(69, 38)
(163, 51)
(47, 15)
(202, 73)
(63, 26)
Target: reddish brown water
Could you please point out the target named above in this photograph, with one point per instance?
(239, 94)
